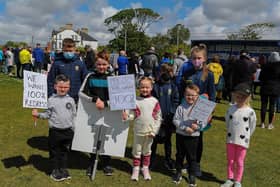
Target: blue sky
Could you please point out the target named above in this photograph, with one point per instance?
(206, 19)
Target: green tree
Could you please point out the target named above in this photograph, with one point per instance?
(129, 27)
(15, 44)
(251, 32)
(141, 18)
(178, 34)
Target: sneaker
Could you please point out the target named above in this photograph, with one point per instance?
(177, 177)
(262, 126)
(237, 184)
(270, 126)
(169, 164)
(146, 173)
(192, 181)
(228, 183)
(65, 173)
(57, 175)
(135, 173)
(108, 171)
(89, 170)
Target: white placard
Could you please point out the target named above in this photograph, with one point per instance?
(87, 123)
(202, 109)
(35, 90)
(122, 93)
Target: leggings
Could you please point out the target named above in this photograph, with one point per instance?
(264, 101)
(236, 156)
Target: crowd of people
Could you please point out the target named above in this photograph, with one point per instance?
(168, 88)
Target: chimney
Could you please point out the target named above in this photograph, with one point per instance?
(69, 26)
(85, 30)
(61, 28)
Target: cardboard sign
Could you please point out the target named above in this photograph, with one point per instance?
(122, 94)
(92, 125)
(202, 109)
(35, 90)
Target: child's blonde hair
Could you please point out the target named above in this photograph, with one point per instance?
(201, 48)
(146, 79)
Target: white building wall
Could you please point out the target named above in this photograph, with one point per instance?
(92, 44)
(58, 38)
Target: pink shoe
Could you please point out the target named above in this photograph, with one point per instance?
(146, 173)
(135, 173)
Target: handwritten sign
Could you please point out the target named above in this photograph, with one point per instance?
(122, 92)
(202, 109)
(89, 119)
(35, 90)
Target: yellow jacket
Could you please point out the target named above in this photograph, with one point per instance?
(24, 56)
(217, 70)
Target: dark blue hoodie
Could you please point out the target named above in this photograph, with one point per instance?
(74, 68)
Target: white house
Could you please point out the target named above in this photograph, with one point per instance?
(80, 36)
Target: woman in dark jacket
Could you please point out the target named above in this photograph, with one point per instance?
(270, 87)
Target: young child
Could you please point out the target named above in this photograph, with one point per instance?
(147, 119)
(60, 113)
(95, 89)
(167, 93)
(241, 123)
(187, 135)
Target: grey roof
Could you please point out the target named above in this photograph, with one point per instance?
(85, 36)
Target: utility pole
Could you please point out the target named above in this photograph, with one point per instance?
(178, 27)
(125, 39)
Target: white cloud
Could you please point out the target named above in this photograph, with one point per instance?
(136, 5)
(20, 19)
(215, 18)
(24, 18)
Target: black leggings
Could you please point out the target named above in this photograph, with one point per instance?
(264, 101)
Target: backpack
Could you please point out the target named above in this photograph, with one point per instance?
(149, 61)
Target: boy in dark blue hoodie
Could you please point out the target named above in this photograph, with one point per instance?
(69, 64)
(167, 93)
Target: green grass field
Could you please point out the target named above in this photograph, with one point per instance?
(24, 155)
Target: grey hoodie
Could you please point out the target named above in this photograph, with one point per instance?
(61, 112)
(181, 120)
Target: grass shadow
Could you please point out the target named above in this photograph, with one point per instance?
(206, 176)
(220, 118)
(39, 142)
(16, 161)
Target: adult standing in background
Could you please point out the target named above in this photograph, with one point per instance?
(9, 61)
(133, 65)
(216, 68)
(17, 62)
(270, 87)
(179, 61)
(122, 63)
(149, 63)
(25, 60)
(38, 55)
(69, 64)
(90, 58)
(244, 70)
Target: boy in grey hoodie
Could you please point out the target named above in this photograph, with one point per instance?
(187, 135)
(60, 114)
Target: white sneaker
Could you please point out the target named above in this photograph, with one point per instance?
(270, 126)
(228, 183)
(135, 173)
(146, 173)
(262, 126)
